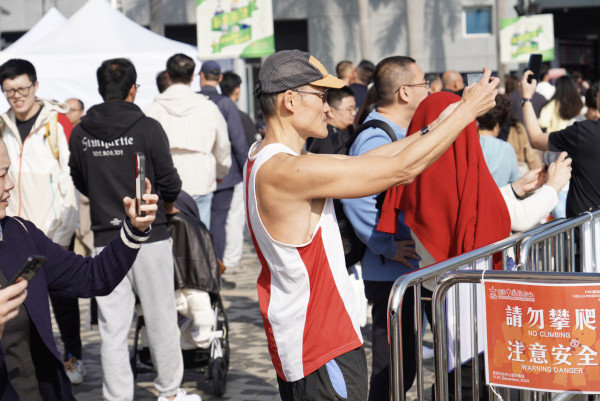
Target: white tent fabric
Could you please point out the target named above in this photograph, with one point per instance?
(49, 23)
(66, 60)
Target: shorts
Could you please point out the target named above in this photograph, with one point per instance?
(342, 378)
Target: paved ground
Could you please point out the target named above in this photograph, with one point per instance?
(251, 375)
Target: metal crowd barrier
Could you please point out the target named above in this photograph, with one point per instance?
(553, 244)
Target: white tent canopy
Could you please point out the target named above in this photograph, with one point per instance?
(66, 59)
(49, 23)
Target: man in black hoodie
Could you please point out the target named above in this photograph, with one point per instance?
(102, 166)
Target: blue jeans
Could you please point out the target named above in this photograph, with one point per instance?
(204, 202)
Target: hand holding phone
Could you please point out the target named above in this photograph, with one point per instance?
(534, 65)
(140, 182)
(33, 264)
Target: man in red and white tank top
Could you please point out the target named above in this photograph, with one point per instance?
(304, 292)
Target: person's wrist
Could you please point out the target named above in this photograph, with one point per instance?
(525, 99)
(517, 191)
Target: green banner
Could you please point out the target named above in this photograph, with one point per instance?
(233, 17)
(526, 43)
(198, 2)
(260, 48)
(233, 38)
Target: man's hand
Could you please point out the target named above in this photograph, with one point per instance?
(480, 96)
(11, 298)
(530, 181)
(405, 249)
(559, 172)
(527, 89)
(142, 223)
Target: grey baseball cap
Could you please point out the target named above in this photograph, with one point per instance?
(289, 69)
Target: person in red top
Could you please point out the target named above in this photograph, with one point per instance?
(454, 206)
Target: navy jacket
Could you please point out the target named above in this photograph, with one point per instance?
(237, 136)
(66, 274)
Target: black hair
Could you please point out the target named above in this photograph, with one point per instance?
(544, 70)
(163, 81)
(267, 102)
(498, 115)
(115, 78)
(590, 96)
(388, 76)
(230, 82)
(365, 71)
(568, 98)
(335, 96)
(16, 67)
(180, 68)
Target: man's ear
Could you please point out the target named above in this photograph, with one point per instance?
(220, 78)
(289, 101)
(403, 93)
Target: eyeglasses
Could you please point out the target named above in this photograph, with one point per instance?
(349, 110)
(137, 86)
(12, 92)
(426, 84)
(322, 95)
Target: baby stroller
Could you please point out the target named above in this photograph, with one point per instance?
(204, 329)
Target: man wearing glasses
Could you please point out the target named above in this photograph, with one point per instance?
(34, 131)
(305, 295)
(340, 122)
(400, 86)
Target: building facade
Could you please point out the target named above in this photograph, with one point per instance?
(439, 34)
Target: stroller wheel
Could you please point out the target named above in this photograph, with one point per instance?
(219, 376)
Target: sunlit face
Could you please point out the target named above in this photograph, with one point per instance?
(20, 93)
(420, 92)
(6, 184)
(312, 113)
(343, 114)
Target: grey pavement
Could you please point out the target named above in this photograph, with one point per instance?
(251, 375)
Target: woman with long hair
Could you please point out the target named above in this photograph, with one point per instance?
(558, 114)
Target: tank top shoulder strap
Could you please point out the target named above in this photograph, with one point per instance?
(269, 151)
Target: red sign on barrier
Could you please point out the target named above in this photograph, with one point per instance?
(543, 336)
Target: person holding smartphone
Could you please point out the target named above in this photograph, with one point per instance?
(30, 363)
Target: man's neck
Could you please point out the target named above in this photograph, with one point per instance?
(209, 83)
(400, 115)
(28, 114)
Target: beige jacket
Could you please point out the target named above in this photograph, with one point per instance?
(197, 134)
(44, 192)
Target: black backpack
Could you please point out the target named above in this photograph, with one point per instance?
(354, 248)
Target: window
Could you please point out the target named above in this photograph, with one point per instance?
(478, 20)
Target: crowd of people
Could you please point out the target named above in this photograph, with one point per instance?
(424, 167)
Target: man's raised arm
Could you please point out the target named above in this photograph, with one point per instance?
(320, 176)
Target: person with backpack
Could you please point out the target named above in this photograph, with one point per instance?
(36, 132)
(400, 86)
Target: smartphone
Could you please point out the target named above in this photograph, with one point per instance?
(29, 269)
(474, 78)
(140, 182)
(534, 65)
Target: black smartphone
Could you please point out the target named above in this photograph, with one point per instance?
(140, 182)
(534, 65)
(29, 269)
